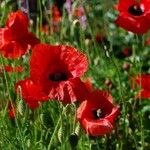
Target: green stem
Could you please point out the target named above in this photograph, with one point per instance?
(122, 99)
(9, 96)
(74, 122)
(56, 128)
(140, 48)
(53, 135)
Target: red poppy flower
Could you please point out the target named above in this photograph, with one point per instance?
(18, 69)
(57, 69)
(127, 51)
(31, 93)
(78, 12)
(45, 29)
(13, 69)
(97, 114)
(8, 68)
(100, 38)
(11, 110)
(134, 15)
(143, 81)
(15, 42)
(56, 14)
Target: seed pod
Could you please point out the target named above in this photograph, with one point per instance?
(126, 66)
(60, 134)
(73, 139)
(20, 107)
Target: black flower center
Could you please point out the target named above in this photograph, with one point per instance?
(98, 113)
(59, 76)
(135, 10)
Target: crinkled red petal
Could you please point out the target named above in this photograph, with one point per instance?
(77, 61)
(31, 92)
(95, 128)
(56, 59)
(67, 91)
(129, 23)
(17, 22)
(30, 39)
(14, 49)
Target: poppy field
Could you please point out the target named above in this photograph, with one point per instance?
(75, 75)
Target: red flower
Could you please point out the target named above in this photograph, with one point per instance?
(11, 110)
(57, 69)
(31, 93)
(13, 69)
(18, 69)
(143, 81)
(97, 114)
(78, 12)
(8, 68)
(134, 15)
(127, 52)
(45, 29)
(15, 39)
(56, 14)
(100, 38)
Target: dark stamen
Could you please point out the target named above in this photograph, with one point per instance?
(135, 10)
(97, 113)
(58, 76)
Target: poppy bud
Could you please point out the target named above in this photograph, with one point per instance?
(126, 66)
(127, 52)
(73, 139)
(108, 83)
